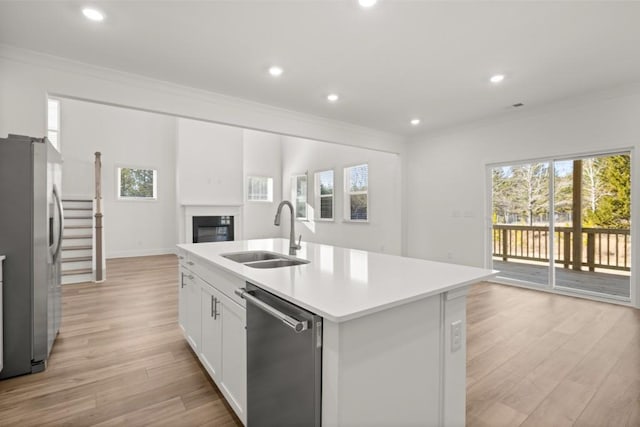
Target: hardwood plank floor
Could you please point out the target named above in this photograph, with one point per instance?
(534, 359)
(539, 359)
(120, 359)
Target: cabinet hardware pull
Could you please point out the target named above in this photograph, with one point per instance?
(213, 304)
(215, 310)
(182, 280)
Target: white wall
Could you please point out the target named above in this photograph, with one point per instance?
(384, 230)
(262, 156)
(209, 163)
(446, 173)
(125, 137)
(27, 77)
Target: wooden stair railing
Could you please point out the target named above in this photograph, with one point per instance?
(98, 216)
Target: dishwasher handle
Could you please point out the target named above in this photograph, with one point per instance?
(294, 324)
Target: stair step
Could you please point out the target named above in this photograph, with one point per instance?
(82, 236)
(77, 271)
(77, 227)
(78, 217)
(77, 200)
(75, 248)
(78, 209)
(76, 259)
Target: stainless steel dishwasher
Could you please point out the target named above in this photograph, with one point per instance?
(284, 361)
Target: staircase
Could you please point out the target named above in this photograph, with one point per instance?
(78, 241)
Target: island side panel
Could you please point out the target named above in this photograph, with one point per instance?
(455, 358)
(384, 369)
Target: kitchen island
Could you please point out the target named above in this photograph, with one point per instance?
(393, 335)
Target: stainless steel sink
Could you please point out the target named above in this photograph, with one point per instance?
(251, 256)
(275, 263)
(264, 259)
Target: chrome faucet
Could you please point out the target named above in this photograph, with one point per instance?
(293, 246)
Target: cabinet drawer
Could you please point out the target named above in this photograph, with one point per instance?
(221, 280)
(183, 258)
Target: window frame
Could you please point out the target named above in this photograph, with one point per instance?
(119, 197)
(348, 193)
(270, 181)
(57, 127)
(294, 196)
(318, 196)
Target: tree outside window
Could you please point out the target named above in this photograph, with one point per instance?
(356, 180)
(137, 183)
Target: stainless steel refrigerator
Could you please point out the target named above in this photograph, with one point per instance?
(31, 225)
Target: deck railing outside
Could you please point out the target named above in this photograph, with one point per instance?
(605, 248)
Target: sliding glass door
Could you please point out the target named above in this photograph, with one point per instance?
(587, 238)
(521, 222)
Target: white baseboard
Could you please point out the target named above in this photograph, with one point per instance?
(140, 252)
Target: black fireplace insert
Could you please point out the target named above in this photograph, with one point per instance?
(212, 229)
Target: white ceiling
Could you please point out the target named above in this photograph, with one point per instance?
(391, 63)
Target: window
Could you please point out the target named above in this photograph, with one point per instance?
(259, 189)
(324, 194)
(564, 223)
(356, 191)
(299, 195)
(137, 184)
(53, 122)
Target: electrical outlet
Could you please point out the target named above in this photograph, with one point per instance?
(456, 335)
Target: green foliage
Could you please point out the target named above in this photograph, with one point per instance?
(521, 193)
(613, 209)
(136, 183)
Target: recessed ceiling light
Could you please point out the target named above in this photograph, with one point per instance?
(332, 97)
(367, 3)
(415, 122)
(93, 14)
(497, 78)
(275, 71)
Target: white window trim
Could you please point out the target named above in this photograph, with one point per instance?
(348, 193)
(57, 129)
(294, 196)
(136, 199)
(270, 189)
(318, 196)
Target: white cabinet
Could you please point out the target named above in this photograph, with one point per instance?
(214, 321)
(182, 300)
(211, 354)
(234, 355)
(192, 307)
(189, 306)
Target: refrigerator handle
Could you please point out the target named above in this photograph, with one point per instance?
(56, 254)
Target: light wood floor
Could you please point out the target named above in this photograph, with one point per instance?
(534, 359)
(120, 359)
(539, 359)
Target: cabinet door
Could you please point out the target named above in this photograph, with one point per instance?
(210, 350)
(234, 355)
(193, 311)
(182, 300)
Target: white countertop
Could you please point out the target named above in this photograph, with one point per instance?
(342, 284)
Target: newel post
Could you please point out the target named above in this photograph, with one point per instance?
(98, 216)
